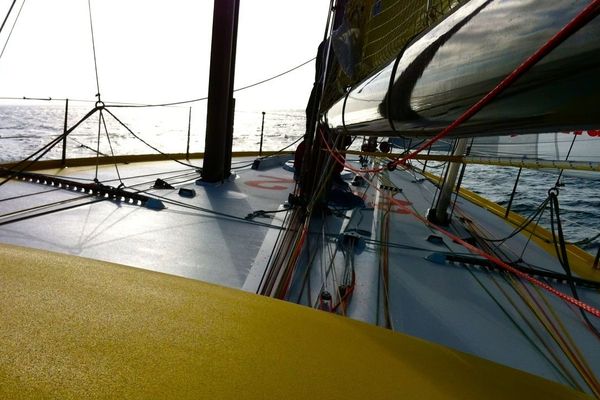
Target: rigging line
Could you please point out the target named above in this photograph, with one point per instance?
(519, 228)
(111, 147)
(51, 211)
(7, 15)
(558, 362)
(514, 321)
(41, 207)
(541, 316)
(28, 195)
(234, 218)
(283, 149)
(94, 49)
(563, 255)
(275, 76)
(537, 224)
(561, 340)
(45, 149)
(87, 147)
(12, 28)
(566, 159)
(272, 254)
(175, 103)
(565, 297)
(98, 144)
(148, 144)
(571, 342)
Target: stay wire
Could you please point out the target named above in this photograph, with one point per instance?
(111, 148)
(43, 150)
(175, 103)
(566, 159)
(7, 15)
(98, 145)
(94, 50)
(12, 28)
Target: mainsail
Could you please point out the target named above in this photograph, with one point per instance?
(370, 34)
(447, 68)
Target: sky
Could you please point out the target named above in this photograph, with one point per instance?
(154, 51)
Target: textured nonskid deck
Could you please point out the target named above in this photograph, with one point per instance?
(77, 328)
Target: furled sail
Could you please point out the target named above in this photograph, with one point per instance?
(455, 63)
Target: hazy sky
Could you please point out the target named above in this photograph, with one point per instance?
(157, 51)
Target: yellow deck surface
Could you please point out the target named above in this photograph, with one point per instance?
(77, 328)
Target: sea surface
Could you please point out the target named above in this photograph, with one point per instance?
(25, 128)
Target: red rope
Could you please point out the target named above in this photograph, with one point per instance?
(586, 307)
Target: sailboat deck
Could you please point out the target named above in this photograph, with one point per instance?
(462, 306)
(205, 237)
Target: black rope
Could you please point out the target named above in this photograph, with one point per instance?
(148, 144)
(523, 225)
(85, 146)
(586, 240)
(561, 251)
(283, 149)
(26, 217)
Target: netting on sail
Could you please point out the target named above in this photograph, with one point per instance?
(370, 33)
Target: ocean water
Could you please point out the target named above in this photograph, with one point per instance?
(25, 128)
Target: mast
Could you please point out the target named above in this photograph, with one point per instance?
(439, 215)
(219, 116)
